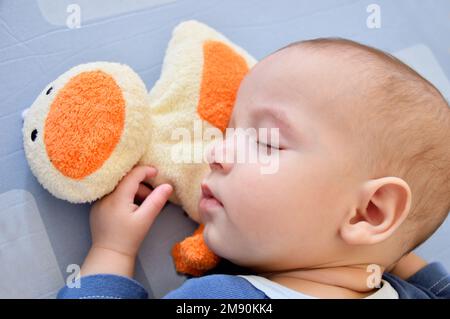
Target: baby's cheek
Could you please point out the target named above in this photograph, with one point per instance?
(255, 193)
(255, 213)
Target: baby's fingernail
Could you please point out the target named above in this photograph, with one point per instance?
(168, 188)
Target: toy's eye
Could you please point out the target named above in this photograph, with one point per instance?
(34, 135)
(49, 90)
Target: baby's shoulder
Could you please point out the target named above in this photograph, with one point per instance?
(216, 286)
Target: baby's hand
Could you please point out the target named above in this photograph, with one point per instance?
(118, 225)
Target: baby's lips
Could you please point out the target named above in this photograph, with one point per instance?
(207, 193)
(84, 123)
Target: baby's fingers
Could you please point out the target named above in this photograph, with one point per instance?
(129, 185)
(154, 202)
(142, 192)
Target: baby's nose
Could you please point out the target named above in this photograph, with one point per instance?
(219, 157)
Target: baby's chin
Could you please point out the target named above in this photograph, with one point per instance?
(222, 247)
(209, 238)
(216, 242)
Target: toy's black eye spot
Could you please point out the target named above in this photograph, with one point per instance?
(49, 90)
(34, 135)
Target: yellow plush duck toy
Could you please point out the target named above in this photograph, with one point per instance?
(95, 122)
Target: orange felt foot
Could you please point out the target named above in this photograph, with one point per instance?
(192, 256)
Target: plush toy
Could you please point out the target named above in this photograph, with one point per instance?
(95, 122)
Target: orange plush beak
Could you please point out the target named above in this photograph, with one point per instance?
(84, 124)
(192, 256)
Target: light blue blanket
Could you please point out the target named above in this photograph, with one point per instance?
(40, 236)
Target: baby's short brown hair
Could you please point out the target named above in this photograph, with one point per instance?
(411, 138)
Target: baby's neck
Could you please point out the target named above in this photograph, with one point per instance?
(332, 282)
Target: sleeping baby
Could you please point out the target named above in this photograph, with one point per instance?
(362, 178)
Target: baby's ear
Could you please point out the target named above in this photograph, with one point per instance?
(383, 205)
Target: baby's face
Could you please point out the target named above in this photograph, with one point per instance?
(288, 218)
